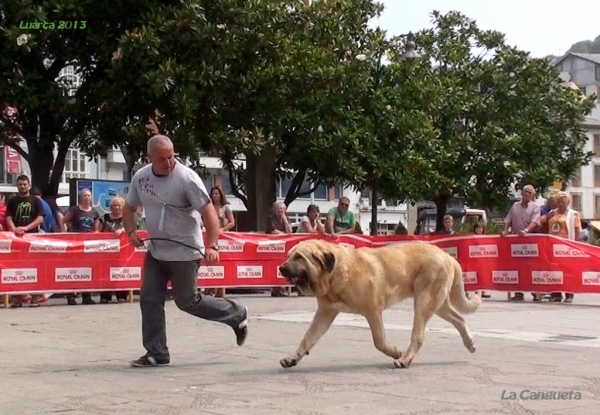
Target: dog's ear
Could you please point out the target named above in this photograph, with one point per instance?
(326, 260)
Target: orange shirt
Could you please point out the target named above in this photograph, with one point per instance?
(557, 224)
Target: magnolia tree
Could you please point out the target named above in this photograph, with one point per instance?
(54, 110)
(501, 117)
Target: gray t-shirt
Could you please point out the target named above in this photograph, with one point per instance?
(171, 205)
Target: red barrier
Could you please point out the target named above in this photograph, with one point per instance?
(69, 262)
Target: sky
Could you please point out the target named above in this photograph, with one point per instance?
(539, 27)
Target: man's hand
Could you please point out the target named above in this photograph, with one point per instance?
(504, 233)
(135, 240)
(211, 255)
(119, 231)
(522, 232)
(20, 231)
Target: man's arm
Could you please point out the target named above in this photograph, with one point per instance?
(329, 223)
(508, 219)
(10, 224)
(535, 221)
(199, 198)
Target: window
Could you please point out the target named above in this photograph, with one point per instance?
(76, 165)
(576, 179)
(596, 175)
(583, 90)
(596, 206)
(576, 201)
(597, 144)
(339, 191)
(69, 80)
(225, 185)
(597, 72)
(283, 186)
(319, 193)
(208, 182)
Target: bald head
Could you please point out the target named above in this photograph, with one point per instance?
(161, 154)
(159, 141)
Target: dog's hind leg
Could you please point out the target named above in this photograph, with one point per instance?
(318, 327)
(375, 321)
(426, 304)
(453, 317)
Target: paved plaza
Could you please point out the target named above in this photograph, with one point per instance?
(74, 361)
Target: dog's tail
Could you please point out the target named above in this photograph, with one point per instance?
(458, 296)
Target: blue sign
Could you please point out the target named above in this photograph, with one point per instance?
(103, 191)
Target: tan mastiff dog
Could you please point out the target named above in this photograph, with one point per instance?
(366, 281)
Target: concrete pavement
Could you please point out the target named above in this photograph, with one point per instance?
(74, 360)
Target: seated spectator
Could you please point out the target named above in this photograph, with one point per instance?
(278, 224)
(311, 223)
(340, 220)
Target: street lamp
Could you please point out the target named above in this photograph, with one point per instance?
(410, 54)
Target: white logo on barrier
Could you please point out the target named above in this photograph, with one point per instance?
(48, 246)
(279, 273)
(452, 251)
(125, 273)
(216, 272)
(469, 277)
(547, 277)
(19, 275)
(524, 250)
(143, 248)
(565, 251)
(249, 271)
(227, 245)
(271, 246)
(505, 277)
(590, 278)
(483, 251)
(73, 274)
(102, 246)
(5, 247)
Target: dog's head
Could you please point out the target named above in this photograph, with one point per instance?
(309, 267)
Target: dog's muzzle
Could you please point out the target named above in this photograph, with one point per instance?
(291, 276)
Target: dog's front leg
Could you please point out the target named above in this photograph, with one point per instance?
(375, 320)
(318, 327)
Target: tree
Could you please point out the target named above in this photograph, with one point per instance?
(52, 113)
(501, 116)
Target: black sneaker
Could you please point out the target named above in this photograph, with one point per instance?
(241, 331)
(150, 361)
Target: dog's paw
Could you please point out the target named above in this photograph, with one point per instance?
(397, 354)
(288, 362)
(471, 345)
(400, 364)
(472, 348)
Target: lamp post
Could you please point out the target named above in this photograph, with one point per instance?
(410, 54)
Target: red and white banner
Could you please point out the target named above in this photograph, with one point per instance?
(76, 262)
(13, 160)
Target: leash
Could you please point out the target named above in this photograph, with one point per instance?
(195, 248)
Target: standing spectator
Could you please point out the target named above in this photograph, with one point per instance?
(51, 223)
(522, 218)
(584, 235)
(564, 223)
(548, 206)
(278, 224)
(24, 214)
(82, 218)
(3, 226)
(311, 223)
(113, 222)
(340, 220)
(448, 226)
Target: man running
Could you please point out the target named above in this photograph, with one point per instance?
(172, 195)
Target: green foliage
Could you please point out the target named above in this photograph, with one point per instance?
(491, 228)
(501, 116)
(586, 46)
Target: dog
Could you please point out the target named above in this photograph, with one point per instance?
(366, 281)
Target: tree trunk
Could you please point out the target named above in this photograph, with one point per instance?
(131, 157)
(440, 205)
(260, 188)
